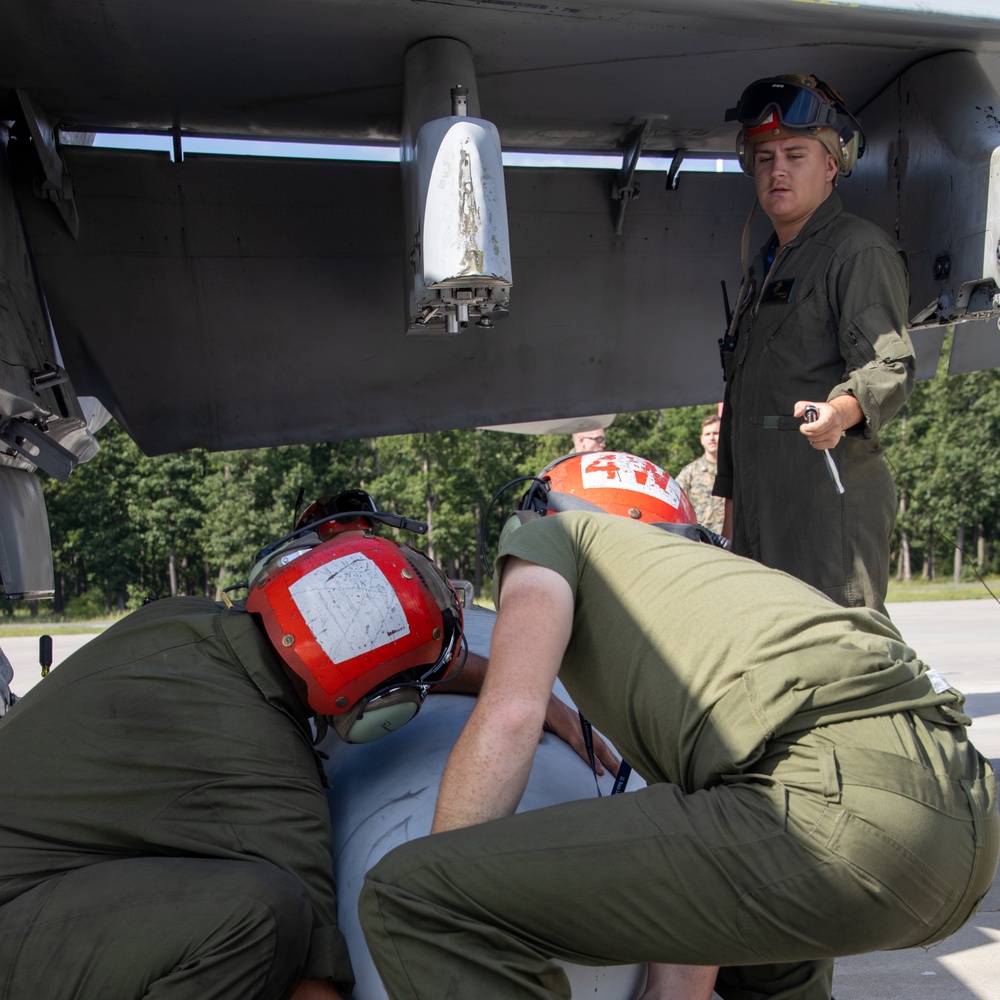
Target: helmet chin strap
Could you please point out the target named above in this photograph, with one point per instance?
(321, 723)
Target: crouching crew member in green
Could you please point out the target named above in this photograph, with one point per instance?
(165, 830)
(819, 331)
(812, 791)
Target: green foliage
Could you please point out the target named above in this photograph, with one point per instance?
(126, 526)
(667, 437)
(942, 450)
(89, 605)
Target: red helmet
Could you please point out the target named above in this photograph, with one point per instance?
(613, 481)
(329, 513)
(365, 623)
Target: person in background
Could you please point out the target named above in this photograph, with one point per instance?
(592, 440)
(817, 357)
(697, 478)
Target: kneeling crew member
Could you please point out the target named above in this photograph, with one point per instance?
(811, 791)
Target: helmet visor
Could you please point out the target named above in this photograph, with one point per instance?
(769, 103)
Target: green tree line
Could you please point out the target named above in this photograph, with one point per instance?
(126, 526)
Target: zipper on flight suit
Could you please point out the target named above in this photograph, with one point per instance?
(754, 310)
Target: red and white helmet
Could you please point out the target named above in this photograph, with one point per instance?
(365, 623)
(614, 482)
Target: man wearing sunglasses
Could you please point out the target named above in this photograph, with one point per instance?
(817, 357)
(594, 440)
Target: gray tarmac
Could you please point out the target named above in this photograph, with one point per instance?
(962, 640)
(22, 651)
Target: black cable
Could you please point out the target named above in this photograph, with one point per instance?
(489, 510)
(298, 504)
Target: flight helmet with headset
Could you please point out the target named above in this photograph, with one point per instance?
(365, 625)
(612, 482)
(781, 107)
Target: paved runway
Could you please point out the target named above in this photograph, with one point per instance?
(22, 651)
(962, 640)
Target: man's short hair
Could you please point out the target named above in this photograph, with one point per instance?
(712, 418)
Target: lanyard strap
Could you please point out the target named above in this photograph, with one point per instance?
(624, 769)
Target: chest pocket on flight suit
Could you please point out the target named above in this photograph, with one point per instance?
(793, 316)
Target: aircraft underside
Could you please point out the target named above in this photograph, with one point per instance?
(231, 302)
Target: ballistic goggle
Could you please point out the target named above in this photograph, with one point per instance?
(775, 101)
(345, 502)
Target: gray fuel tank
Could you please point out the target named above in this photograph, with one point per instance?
(383, 794)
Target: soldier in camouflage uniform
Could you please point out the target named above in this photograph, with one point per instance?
(698, 477)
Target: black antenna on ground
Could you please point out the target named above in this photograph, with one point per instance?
(298, 504)
(45, 653)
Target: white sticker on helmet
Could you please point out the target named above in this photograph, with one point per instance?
(621, 471)
(350, 607)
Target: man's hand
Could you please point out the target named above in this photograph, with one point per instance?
(834, 418)
(560, 719)
(564, 722)
(727, 520)
(679, 982)
(467, 681)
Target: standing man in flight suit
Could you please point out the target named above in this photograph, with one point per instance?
(819, 331)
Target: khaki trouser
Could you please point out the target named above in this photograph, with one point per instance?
(863, 836)
(183, 928)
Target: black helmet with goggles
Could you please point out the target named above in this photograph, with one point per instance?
(784, 106)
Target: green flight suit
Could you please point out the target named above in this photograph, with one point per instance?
(164, 829)
(827, 319)
(812, 792)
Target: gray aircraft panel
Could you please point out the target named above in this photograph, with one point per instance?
(235, 302)
(931, 178)
(975, 346)
(227, 303)
(550, 74)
